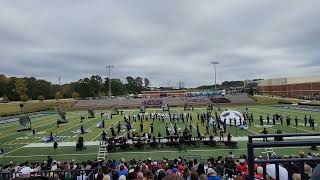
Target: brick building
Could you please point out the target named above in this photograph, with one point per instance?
(290, 87)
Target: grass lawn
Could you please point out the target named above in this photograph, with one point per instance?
(13, 108)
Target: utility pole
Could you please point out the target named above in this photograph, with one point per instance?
(109, 72)
(215, 75)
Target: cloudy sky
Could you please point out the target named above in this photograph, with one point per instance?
(167, 41)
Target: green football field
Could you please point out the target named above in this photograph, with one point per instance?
(13, 142)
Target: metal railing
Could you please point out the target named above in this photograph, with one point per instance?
(58, 174)
(269, 144)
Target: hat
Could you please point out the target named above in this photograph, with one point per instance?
(54, 162)
(131, 170)
(211, 171)
(241, 161)
(122, 177)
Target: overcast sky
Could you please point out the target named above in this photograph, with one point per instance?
(166, 41)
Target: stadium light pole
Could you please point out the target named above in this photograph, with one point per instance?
(109, 70)
(215, 74)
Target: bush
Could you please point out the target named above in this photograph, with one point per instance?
(41, 98)
(24, 98)
(75, 95)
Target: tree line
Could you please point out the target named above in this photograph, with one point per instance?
(26, 88)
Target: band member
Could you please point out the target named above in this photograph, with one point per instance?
(296, 120)
(103, 123)
(229, 137)
(119, 127)
(112, 131)
(265, 132)
(305, 120)
(261, 120)
(312, 124)
(175, 128)
(141, 127)
(55, 145)
(221, 136)
(34, 131)
(288, 119)
(51, 137)
(310, 121)
(151, 128)
(104, 136)
(251, 117)
(274, 120)
(82, 130)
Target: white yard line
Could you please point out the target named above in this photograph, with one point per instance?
(251, 131)
(12, 151)
(106, 130)
(196, 129)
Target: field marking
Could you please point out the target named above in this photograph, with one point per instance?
(15, 129)
(74, 117)
(44, 118)
(301, 129)
(76, 126)
(106, 130)
(12, 151)
(252, 131)
(93, 119)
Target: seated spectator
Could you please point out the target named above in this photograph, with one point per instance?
(212, 175)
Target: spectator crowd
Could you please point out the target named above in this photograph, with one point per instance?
(214, 169)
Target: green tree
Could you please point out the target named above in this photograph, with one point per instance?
(21, 89)
(58, 95)
(41, 98)
(138, 85)
(75, 95)
(130, 84)
(146, 82)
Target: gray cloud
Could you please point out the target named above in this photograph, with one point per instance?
(167, 41)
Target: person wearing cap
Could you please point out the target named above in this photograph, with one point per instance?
(212, 175)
